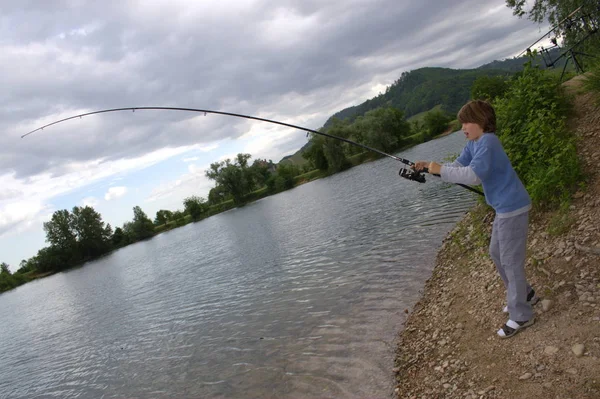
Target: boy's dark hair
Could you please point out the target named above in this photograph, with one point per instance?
(479, 112)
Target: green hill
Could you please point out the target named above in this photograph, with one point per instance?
(421, 90)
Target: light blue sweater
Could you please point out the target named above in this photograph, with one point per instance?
(502, 187)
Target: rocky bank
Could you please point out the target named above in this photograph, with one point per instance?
(449, 347)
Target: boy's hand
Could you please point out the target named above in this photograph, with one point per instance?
(435, 168)
(420, 165)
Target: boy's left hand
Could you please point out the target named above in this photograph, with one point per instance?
(435, 168)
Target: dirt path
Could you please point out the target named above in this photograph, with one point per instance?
(449, 347)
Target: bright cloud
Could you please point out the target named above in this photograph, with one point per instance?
(115, 192)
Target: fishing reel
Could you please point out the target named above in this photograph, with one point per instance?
(411, 174)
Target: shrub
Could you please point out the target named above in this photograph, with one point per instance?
(531, 125)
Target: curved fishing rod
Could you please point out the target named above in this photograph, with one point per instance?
(408, 174)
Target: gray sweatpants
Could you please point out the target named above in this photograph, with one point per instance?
(507, 249)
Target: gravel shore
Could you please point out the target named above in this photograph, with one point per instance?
(449, 347)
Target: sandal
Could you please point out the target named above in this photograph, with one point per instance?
(532, 299)
(513, 327)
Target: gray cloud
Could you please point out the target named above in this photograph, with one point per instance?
(287, 58)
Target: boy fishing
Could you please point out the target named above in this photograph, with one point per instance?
(483, 161)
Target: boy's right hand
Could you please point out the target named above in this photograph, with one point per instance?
(420, 165)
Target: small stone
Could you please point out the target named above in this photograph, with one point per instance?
(547, 304)
(526, 376)
(488, 389)
(578, 349)
(547, 385)
(551, 350)
(540, 367)
(447, 386)
(572, 371)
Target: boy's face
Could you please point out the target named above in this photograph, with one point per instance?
(472, 130)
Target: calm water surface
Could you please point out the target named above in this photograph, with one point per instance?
(298, 295)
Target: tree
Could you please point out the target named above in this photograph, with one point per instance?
(383, 128)
(93, 238)
(260, 171)
(162, 217)
(436, 122)
(489, 87)
(234, 178)
(557, 11)
(141, 226)
(195, 206)
(4, 268)
(217, 194)
(315, 153)
(283, 179)
(336, 159)
(60, 232)
(119, 238)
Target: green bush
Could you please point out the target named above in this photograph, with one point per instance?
(591, 82)
(531, 125)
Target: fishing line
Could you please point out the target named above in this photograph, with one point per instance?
(406, 173)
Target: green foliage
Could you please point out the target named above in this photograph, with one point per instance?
(217, 194)
(118, 238)
(235, 178)
(162, 217)
(141, 226)
(555, 11)
(93, 237)
(420, 90)
(196, 207)
(531, 123)
(283, 178)
(489, 87)
(381, 128)
(436, 122)
(60, 231)
(315, 153)
(591, 82)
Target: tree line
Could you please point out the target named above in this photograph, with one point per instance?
(81, 235)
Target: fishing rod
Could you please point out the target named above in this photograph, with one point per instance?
(410, 174)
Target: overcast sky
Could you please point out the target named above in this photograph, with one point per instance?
(297, 61)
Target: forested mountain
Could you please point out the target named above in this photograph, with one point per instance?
(422, 89)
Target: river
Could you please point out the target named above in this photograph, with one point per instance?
(300, 294)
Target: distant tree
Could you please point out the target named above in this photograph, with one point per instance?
(25, 266)
(118, 238)
(195, 206)
(260, 171)
(217, 194)
(315, 153)
(141, 226)
(336, 158)
(383, 128)
(162, 217)
(283, 178)
(235, 178)
(489, 87)
(4, 268)
(93, 238)
(60, 232)
(436, 122)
